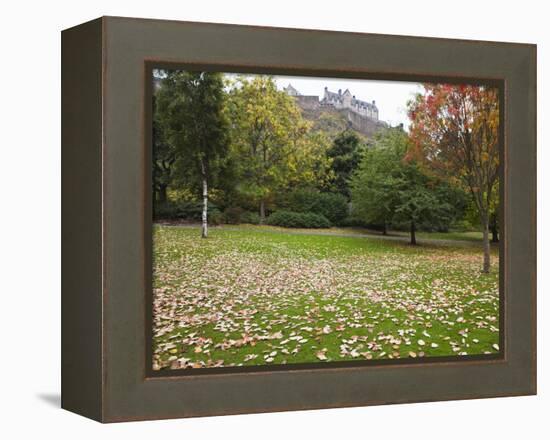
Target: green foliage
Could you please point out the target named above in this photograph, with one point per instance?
(232, 215)
(332, 206)
(390, 188)
(289, 219)
(183, 210)
(190, 111)
(215, 217)
(235, 215)
(252, 218)
(165, 211)
(345, 154)
(417, 198)
(374, 185)
(253, 145)
(455, 199)
(164, 157)
(355, 222)
(273, 147)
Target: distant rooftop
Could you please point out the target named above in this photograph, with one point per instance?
(339, 96)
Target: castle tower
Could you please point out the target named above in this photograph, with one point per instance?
(346, 98)
(291, 91)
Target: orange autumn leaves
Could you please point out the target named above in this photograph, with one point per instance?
(245, 298)
(453, 127)
(454, 132)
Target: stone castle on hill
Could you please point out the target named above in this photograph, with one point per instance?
(362, 116)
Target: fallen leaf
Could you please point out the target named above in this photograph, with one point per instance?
(321, 355)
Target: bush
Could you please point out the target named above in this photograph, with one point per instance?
(235, 215)
(215, 217)
(250, 217)
(193, 210)
(186, 210)
(166, 211)
(232, 215)
(289, 219)
(354, 222)
(463, 226)
(332, 206)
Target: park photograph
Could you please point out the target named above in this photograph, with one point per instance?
(310, 221)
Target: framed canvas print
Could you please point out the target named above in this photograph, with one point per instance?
(263, 219)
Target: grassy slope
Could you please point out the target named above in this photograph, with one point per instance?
(247, 297)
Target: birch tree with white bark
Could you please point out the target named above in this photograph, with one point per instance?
(190, 107)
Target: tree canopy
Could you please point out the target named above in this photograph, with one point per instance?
(345, 153)
(238, 148)
(373, 186)
(389, 187)
(454, 131)
(274, 145)
(190, 109)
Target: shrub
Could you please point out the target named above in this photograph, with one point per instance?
(235, 215)
(165, 211)
(332, 206)
(250, 217)
(193, 210)
(354, 222)
(463, 226)
(187, 210)
(289, 219)
(232, 215)
(215, 217)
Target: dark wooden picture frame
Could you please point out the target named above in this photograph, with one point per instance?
(106, 215)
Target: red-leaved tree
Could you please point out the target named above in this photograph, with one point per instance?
(454, 130)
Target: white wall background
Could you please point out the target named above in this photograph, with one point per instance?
(30, 218)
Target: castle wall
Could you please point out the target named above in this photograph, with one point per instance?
(360, 117)
(307, 102)
(363, 124)
(371, 113)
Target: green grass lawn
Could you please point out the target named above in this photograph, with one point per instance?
(473, 236)
(254, 296)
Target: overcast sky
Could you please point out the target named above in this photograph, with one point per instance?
(391, 96)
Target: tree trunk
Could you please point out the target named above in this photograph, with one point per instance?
(494, 234)
(162, 196)
(262, 212)
(385, 228)
(413, 233)
(494, 230)
(486, 245)
(204, 232)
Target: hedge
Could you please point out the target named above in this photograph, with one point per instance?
(332, 206)
(191, 211)
(289, 219)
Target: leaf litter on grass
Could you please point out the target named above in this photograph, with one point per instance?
(251, 298)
